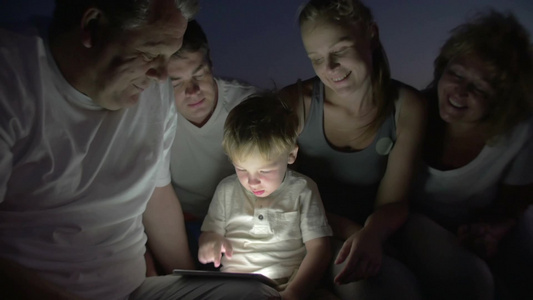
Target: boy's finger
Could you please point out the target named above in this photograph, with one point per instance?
(229, 248)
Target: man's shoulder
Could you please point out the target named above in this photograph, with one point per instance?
(233, 83)
(234, 91)
(20, 52)
(20, 71)
(19, 34)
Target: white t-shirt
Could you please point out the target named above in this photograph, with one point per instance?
(198, 162)
(451, 197)
(267, 234)
(75, 178)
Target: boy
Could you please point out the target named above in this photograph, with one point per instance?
(266, 219)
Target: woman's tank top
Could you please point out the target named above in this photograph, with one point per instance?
(348, 181)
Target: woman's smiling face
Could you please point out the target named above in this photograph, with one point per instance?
(464, 90)
(341, 54)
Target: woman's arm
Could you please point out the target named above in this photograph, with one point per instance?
(391, 201)
(311, 269)
(342, 227)
(363, 250)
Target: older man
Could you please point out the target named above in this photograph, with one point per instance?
(86, 124)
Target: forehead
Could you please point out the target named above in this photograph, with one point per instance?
(187, 62)
(322, 33)
(257, 161)
(165, 30)
(475, 66)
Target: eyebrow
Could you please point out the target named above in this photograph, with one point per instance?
(342, 39)
(155, 43)
(200, 66)
(483, 80)
(267, 166)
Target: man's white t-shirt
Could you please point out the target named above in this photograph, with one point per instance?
(198, 162)
(75, 178)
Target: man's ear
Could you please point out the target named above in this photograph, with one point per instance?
(90, 22)
(292, 155)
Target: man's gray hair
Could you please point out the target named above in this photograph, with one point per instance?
(123, 14)
(188, 8)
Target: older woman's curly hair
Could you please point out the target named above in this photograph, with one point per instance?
(355, 13)
(503, 44)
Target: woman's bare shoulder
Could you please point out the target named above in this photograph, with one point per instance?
(411, 108)
(297, 91)
(410, 99)
(297, 95)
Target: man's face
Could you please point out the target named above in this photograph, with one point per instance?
(195, 89)
(128, 62)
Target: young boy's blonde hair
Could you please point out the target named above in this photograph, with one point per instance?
(263, 124)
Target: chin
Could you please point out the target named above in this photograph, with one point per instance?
(128, 101)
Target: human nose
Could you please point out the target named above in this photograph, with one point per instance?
(332, 62)
(463, 88)
(192, 88)
(158, 70)
(253, 179)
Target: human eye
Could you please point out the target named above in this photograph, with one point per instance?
(480, 91)
(177, 83)
(199, 76)
(148, 57)
(340, 51)
(454, 73)
(316, 61)
(265, 171)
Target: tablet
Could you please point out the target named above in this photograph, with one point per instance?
(219, 274)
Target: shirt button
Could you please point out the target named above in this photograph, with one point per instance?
(260, 217)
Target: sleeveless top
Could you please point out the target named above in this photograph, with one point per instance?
(347, 181)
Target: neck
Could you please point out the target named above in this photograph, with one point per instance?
(465, 130)
(359, 102)
(72, 59)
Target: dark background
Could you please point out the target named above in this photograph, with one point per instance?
(259, 41)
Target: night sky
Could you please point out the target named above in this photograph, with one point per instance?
(259, 41)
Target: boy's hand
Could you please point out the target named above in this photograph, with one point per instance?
(483, 238)
(211, 247)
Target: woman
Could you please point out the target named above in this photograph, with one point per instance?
(359, 138)
(476, 178)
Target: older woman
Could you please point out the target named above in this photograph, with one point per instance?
(477, 178)
(359, 138)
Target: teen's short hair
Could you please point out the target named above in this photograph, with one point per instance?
(195, 40)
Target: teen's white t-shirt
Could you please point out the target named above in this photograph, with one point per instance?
(75, 178)
(198, 162)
